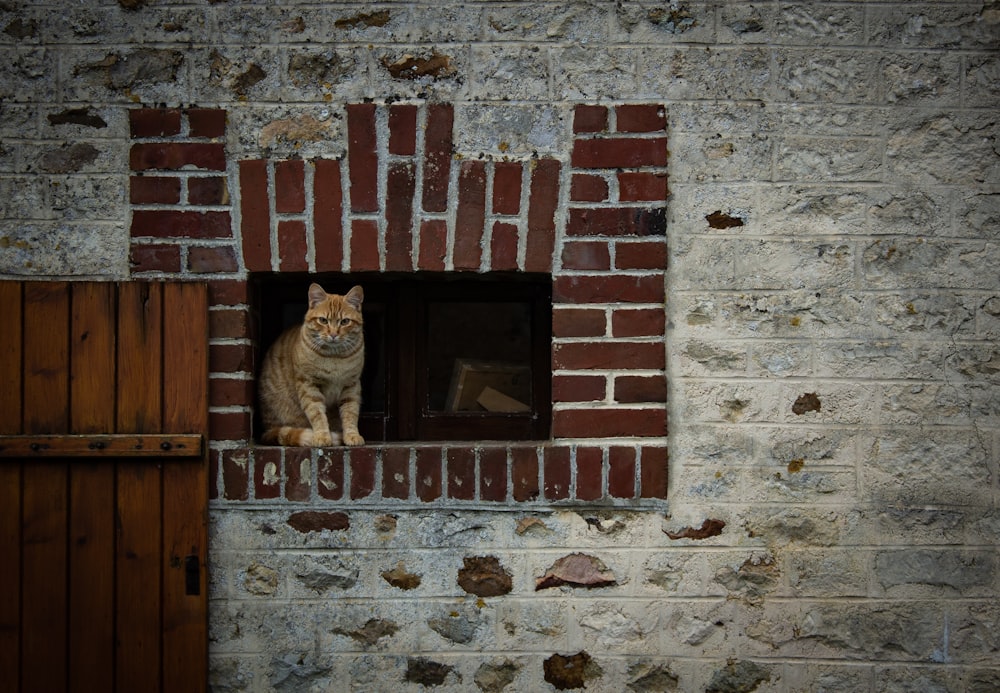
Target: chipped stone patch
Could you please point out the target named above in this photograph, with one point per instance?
(571, 671)
(576, 570)
(484, 577)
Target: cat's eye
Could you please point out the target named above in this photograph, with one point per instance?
(345, 321)
(322, 321)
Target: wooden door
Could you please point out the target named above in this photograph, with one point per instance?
(103, 486)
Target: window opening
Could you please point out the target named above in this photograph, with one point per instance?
(447, 356)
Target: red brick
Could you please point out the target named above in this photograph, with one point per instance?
(181, 224)
(609, 423)
(230, 358)
(229, 425)
(578, 322)
(227, 292)
(396, 473)
(607, 355)
(623, 288)
(633, 389)
(653, 472)
(585, 187)
(207, 122)
(493, 474)
(232, 323)
(362, 462)
(641, 322)
(255, 212)
(428, 470)
(507, 187)
(557, 473)
(402, 129)
(292, 246)
(154, 122)
(267, 473)
(235, 469)
(593, 255)
(437, 156)
(461, 463)
(616, 221)
(289, 186)
(211, 259)
(433, 245)
(524, 473)
(230, 392)
(154, 190)
(644, 255)
(590, 118)
(578, 388)
(542, 201)
(173, 156)
(400, 185)
(471, 215)
(330, 474)
(154, 258)
(621, 472)
(298, 487)
(328, 230)
(209, 190)
(362, 157)
(503, 247)
(364, 245)
(641, 118)
(619, 152)
(589, 473)
(641, 186)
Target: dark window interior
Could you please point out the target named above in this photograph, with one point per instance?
(448, 356)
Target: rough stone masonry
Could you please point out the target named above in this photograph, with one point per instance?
(829, 327)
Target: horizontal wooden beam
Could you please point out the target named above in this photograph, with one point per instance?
(98, 445)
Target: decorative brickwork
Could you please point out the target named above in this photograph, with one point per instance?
(410, 204)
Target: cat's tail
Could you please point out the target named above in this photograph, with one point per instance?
(290, 435)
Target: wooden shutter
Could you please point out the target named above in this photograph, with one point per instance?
(103, 486)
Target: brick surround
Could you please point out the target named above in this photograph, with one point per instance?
(402, 200)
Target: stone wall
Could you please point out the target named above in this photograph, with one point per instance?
(830, 317)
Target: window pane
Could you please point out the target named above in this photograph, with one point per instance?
(478, 356)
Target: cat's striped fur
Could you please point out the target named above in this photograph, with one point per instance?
(310, 383)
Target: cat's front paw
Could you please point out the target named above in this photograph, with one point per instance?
(353, 439)
(322, 439)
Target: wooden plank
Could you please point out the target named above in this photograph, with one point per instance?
(138, 666)
(44, 518)
(10, 357)
(10, 576)
(10, 489)
(138, 577)
(91, 618)
(140, 369)
(103, 446)
(43, 588)
(46, 357)
(185, 491)
(92, 366)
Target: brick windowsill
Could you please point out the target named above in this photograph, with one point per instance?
(451, 473)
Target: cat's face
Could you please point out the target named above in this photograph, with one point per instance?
(334, 321)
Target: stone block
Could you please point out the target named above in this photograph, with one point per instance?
(509, 72)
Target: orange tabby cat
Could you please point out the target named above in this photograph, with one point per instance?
(313, 371)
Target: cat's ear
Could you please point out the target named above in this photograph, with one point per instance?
(316, 295)
(354, 297)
